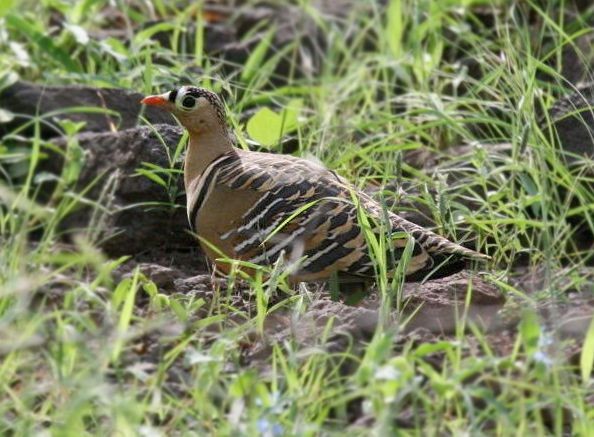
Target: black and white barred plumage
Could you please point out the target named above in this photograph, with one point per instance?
(262, 208)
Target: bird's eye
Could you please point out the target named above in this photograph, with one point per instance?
(188, 102)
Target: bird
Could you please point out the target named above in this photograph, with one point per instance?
(265, 208)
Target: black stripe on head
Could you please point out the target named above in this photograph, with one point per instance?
(208, 95)
(172, 96)
(211, 97)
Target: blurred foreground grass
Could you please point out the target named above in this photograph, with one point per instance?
(83, 354)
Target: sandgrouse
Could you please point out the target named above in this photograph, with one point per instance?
(258, 207)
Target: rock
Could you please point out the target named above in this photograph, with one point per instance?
(577, 61)
(326, 326)
(163, 277)
(432, 308)
(291, 24)
(26, 99)
(358, 321)
(233, 31)
(573, 118)
(237, 31)
(438, 305)
(216, 37)
(137, 214)
(564, 303)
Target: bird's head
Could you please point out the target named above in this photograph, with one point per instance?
(197, 109)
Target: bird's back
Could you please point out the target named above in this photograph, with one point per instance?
(257, 207)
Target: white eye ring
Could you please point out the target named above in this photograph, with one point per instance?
(188, 102)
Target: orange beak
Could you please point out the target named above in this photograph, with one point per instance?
(159, 100)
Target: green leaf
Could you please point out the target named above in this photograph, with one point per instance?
(179, 310)
(150, 288)
(114, 48)
(395, 27)
(81, 9)
(431, 348)
(244, 384)
(257, 56)
(6, 6)
(587, 356)
(70, 127)
(146, 34)
(267, 127)
(530, 331)
(119, 293)
(45, 43)
(127, 295)
(158, 300)
(152, 176)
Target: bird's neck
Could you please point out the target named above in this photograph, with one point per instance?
(203, 148)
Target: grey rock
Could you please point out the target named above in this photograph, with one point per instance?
(577, 61)
(573, 118)
(162, 276)
(433, 308)
(136, 215)
(72, 102)
(438, 305)
(216, 37)
(236, 28)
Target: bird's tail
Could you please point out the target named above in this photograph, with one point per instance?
(435, 244)
(441, 257)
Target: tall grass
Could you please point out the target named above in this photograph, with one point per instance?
(85, 351)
